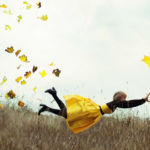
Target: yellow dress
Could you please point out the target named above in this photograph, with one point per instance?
(82, 112)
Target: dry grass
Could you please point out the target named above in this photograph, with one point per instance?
(25, 130)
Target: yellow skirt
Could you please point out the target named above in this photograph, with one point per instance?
(82, 113)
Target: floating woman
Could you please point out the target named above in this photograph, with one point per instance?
(81, 113)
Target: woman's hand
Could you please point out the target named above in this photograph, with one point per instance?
(147, 96)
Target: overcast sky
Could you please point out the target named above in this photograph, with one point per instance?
(98, 46)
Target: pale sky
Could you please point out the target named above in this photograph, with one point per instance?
(97, 45)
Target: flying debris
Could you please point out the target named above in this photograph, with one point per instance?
(43, 73)
(146, 59)
(21, 103)
(56, 72)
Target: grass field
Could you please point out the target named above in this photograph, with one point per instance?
(22, 129)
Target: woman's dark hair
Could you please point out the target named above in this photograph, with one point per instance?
(117, 96)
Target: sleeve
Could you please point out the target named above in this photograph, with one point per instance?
(125, 104)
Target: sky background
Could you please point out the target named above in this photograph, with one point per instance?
(97, 45)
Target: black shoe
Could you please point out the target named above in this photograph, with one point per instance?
(51, 91)
(44, 107)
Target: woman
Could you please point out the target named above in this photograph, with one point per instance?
(81, 113)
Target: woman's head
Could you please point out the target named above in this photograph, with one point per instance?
(119, 96)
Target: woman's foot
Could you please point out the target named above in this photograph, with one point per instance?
(51, 91)
(44, 107)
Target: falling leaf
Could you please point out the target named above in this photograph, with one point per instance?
(26, 3)
(7, 12)
(28, 6)
(27, 74)
(35, 88)
(1, 106)
(44, 17)
(21, 103)
(7, 27)
(18, 79)
(146, 59)
(34, 68)
(23, 82)
(10, 94)
(23, 58)
(51, 64)
(9, 49)
(19, 18)
(4, 80)
(43, 73)
(19, 67)
(38, 4)
(3, 6)
(17, 52)
(6, 96)
(56, 72)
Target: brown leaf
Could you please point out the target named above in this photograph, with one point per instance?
(38, 4)
(9, 49)
(34, 69)
(27, 74)
(56, 72)
(17, 52)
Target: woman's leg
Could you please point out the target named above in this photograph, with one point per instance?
(46, 108)
(59, 102)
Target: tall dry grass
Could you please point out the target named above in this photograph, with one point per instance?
(24, 130)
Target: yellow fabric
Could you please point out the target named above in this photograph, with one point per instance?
(82, 113)
(106, 109)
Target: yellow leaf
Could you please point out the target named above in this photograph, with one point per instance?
(4, 80)
(6, 96)
(19, 67)
(18, 79)
(17, 52)
(38, 4)
(1, 106)
(56, 72)
(19, 18)
(23, 58)
(7, 27)
(10, 94)
(146, 59)
(51, 64)
(21, 103)
(27, 74)
(44, 17)
(35, 88)
(7, 12)
(23, 82)
(3, 6)
(43, 73)
(26, 3)
(28, 7)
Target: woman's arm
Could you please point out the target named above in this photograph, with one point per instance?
(125, 104)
